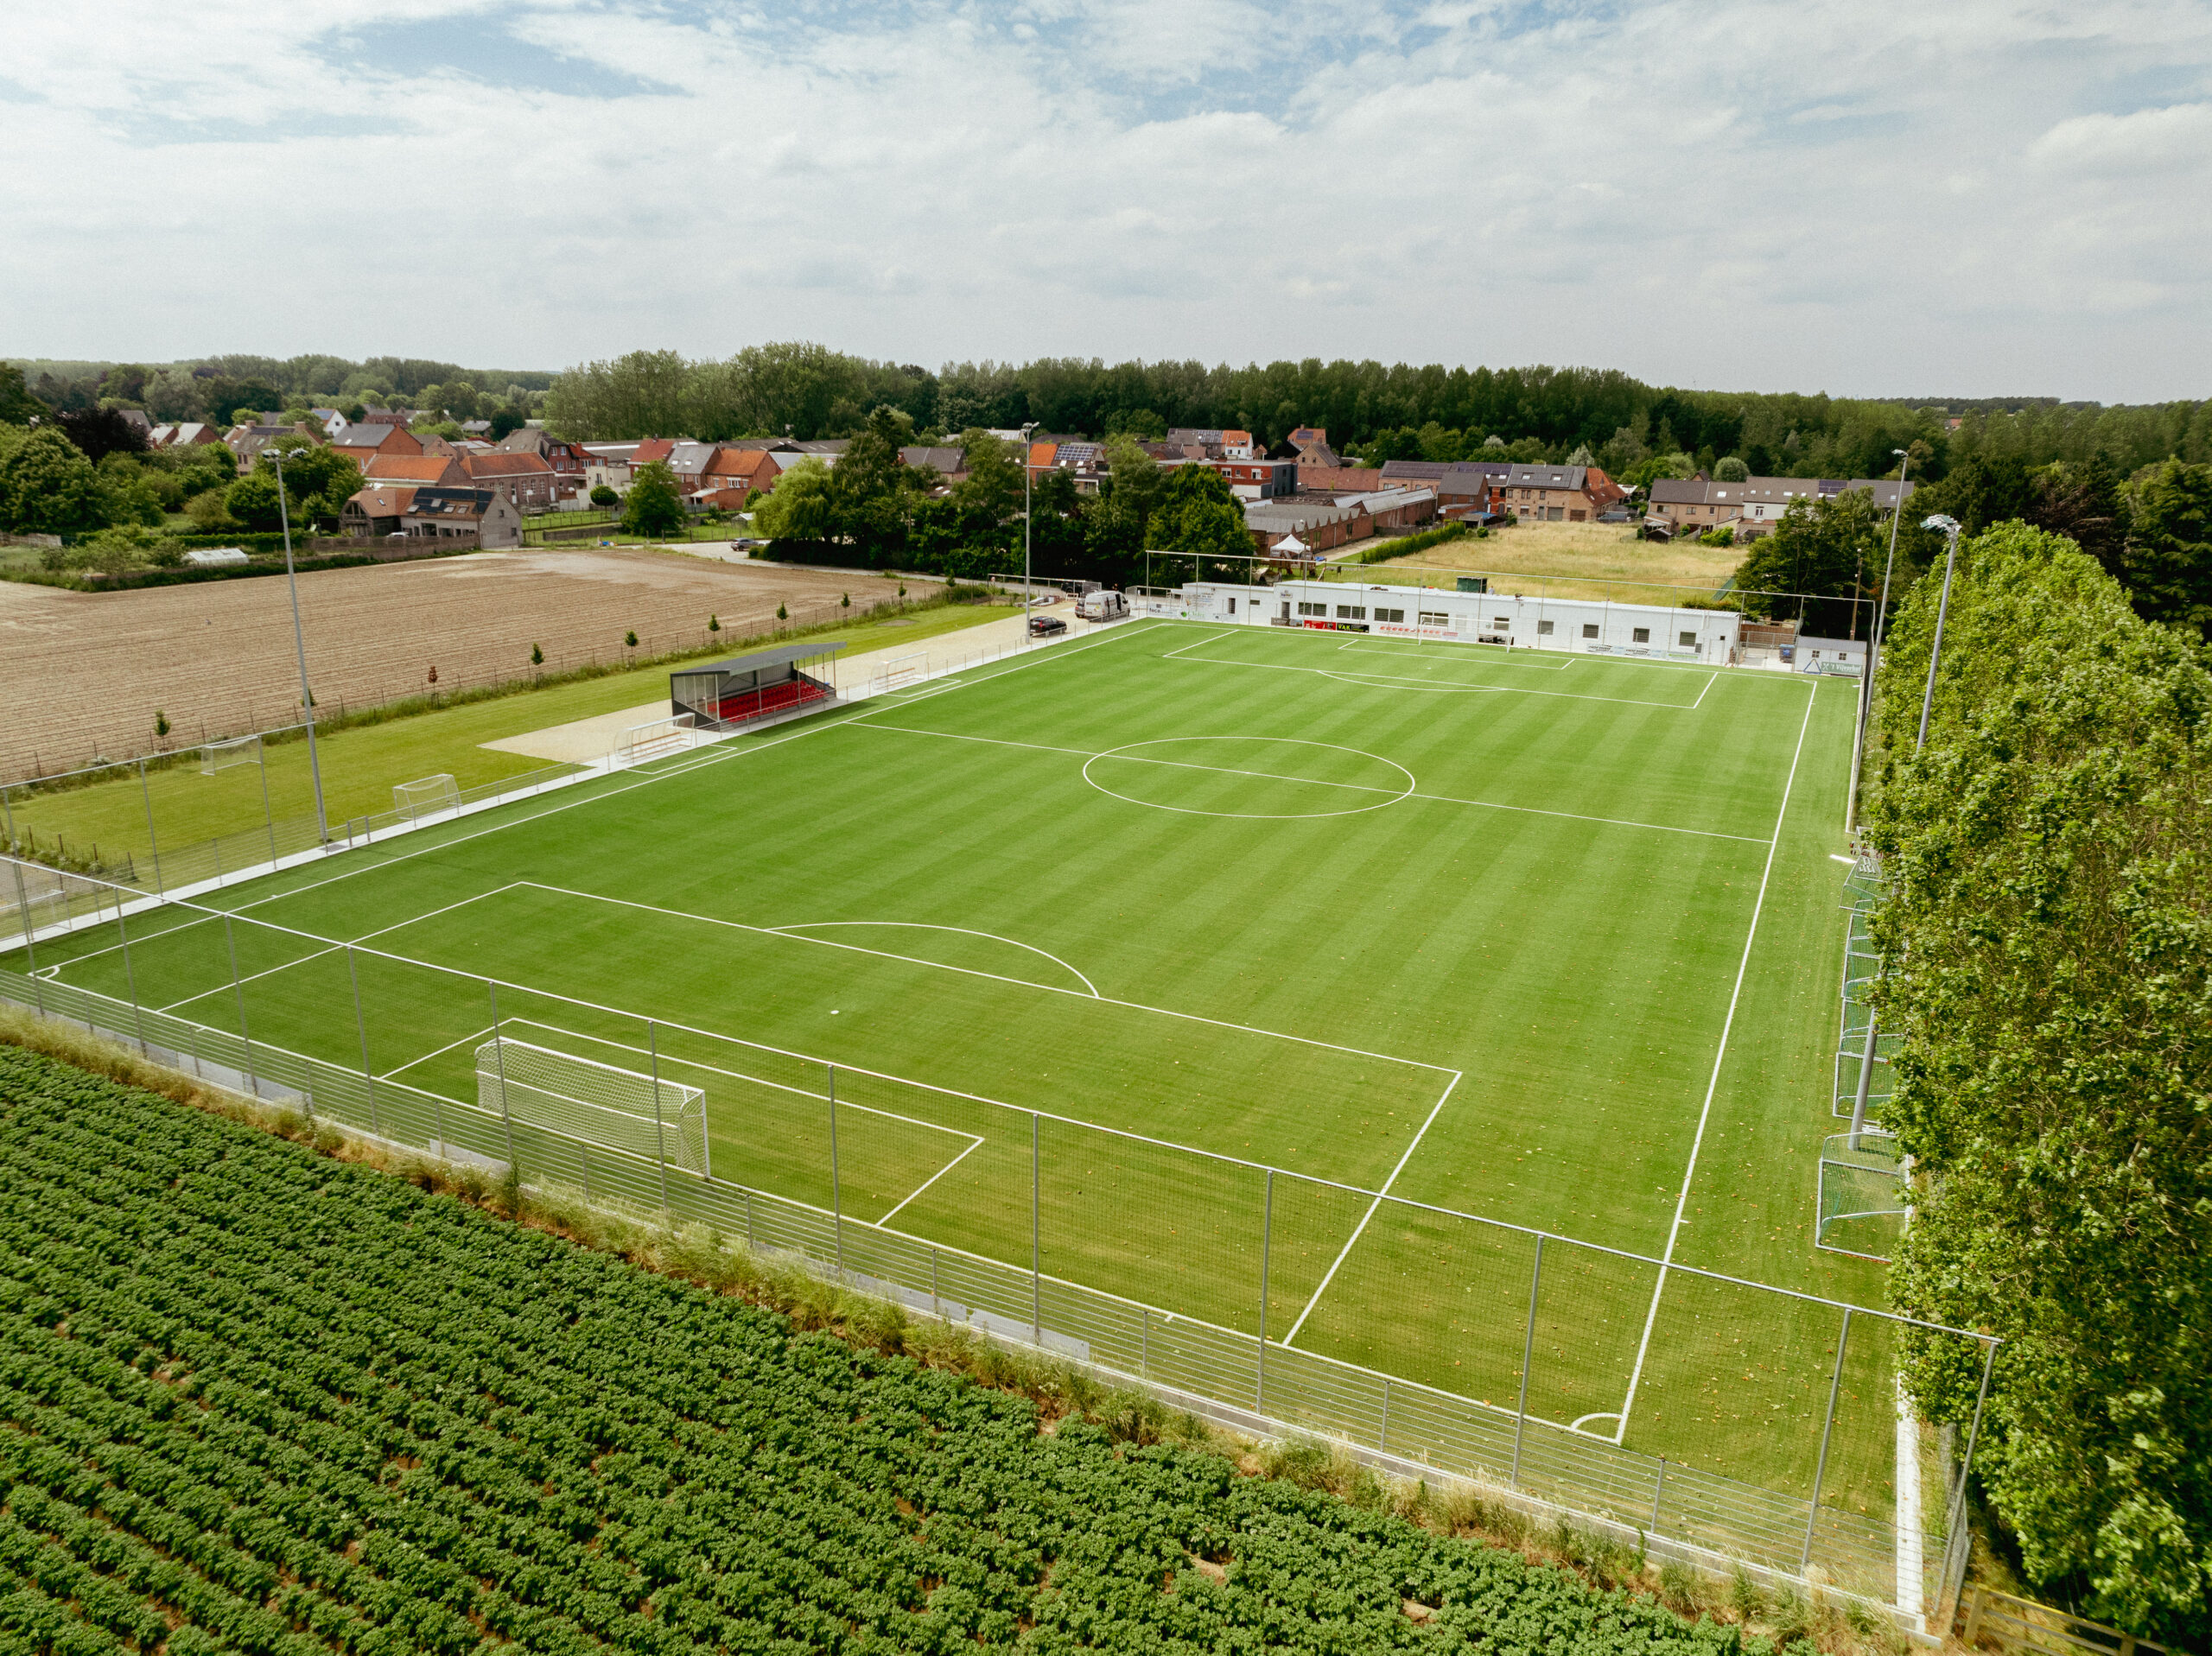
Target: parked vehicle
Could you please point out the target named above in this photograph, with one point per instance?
(1101, 606)
(1043, 626)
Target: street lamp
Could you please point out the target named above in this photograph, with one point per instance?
(1027, 599)
(299, 643)
(1950, 528)
(1874, 648)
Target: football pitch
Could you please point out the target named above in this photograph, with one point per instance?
(1119, 927)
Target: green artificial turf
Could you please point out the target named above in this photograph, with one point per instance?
(360, 764)
(1464, 924)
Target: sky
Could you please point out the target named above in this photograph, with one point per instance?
(1970, 198)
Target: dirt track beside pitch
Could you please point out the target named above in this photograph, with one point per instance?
(82, 674)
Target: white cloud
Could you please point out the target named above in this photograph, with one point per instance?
(1980, 197)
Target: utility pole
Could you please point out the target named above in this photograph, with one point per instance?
(1950, 528)
(1874, 648)
(1026, 599)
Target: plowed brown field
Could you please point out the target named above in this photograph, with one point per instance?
(82, 674)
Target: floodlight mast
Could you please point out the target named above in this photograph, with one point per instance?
(1027, 599)
(1950, 528)
(1874, 648)
(299, 643)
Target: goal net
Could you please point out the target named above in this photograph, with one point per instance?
(221, 756)
(1863, 1197)
(581, 1098)
(416, 800)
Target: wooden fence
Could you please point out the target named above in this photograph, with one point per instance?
(2023, 1624)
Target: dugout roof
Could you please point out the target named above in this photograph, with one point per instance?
(781, 655)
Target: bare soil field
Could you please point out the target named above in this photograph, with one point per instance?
(82, 674)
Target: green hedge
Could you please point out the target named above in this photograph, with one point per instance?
(1406, 545)
(297, 1405)
(2048, 950)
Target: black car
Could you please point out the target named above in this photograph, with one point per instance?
(1043, 626)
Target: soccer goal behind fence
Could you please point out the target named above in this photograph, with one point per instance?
(597, 1103)
(221, 756)
(414, 801)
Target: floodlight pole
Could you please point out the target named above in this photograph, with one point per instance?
(1950, 528)
(1026, 599)
(299, 643)
(1873, 649)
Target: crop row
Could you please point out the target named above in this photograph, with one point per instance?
(257, 1401)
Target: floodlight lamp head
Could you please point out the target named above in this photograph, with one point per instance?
(1948, 525)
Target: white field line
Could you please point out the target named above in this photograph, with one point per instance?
(302, 960)
(682, 1063)
(930, 1180)
(704, 757)
(1511, 658)
(1700, 702)
(922, 925)
(1713, 1085)
(425, 1057)
(1344, 1253)
(1354, 787)
(1391, 681)
(1045, 988)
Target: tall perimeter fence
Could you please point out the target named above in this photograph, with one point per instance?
(1720, 1418)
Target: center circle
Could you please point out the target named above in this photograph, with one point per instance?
(1268, 778)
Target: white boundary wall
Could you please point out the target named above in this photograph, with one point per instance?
(1577, 625)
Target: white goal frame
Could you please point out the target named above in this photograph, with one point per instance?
(425, 796)
(598, 1103)
(676, 733)
(222, 756)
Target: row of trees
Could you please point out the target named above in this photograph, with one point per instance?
(875, 511)
(2047, 944)
(1375, 411)
(2152, 534)
(212, 388)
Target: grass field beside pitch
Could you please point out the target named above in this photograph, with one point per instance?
(1465, 922)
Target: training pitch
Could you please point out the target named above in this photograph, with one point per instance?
(1549, 939)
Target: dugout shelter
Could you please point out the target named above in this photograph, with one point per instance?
(755, 686)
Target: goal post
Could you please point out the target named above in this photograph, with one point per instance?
(599, 1103)
(221, 756)
(426, 798)
(1865, 1194)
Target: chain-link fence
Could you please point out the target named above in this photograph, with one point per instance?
(1726, 1415)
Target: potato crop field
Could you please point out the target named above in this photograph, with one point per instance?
(82, 674)
(255, 1400)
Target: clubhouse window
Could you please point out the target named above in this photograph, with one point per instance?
(1543, 629)
(1393, 616)
(1689, 640)
(1589, 629)
(1642, 635)
(1352, 612)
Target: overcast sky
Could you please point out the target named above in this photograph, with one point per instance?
(1966, 197)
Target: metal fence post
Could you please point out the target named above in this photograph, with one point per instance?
(660, 1133)
(836, 1192)
(1658, 1490)
(153, 840)
(1144, 1341)
(268, 817)
(1382, 1433)
(936, 1309)
(1266, 1241)
(130, 981)
(361, 1024)
(583, 1161)
(749, 1243)
(500, 1057)
(8, 820)
(237, 990)
(1036, 1272)
(1527, 1351)
(30, 947)
(1827, 1426)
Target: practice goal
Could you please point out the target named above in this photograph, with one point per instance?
(598, 1103)
(416, 800)
(221, 756)
(1863, 1195)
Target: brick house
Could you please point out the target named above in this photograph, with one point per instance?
(384, 439)
(1259, 479)
(374, 512)
(523, 479)
(419, 470)
(1572, 494)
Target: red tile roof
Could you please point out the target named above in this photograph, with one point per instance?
(506, 463)
(653, 448)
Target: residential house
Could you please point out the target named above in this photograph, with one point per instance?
(567, 459)
(1573, 494)
(442, 514)
(374, 512)
(246, 442)
(1237, 445)
(949, 462)
(137, 420)
(734, 473)
(333, 421)
(189, 434)
(1753, 506)
(1314, 453)
(384, 438)
(1395, 511)
(419, 470)
(1471, 488)
(523, 479)
(1259, 479)
(401, 417)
